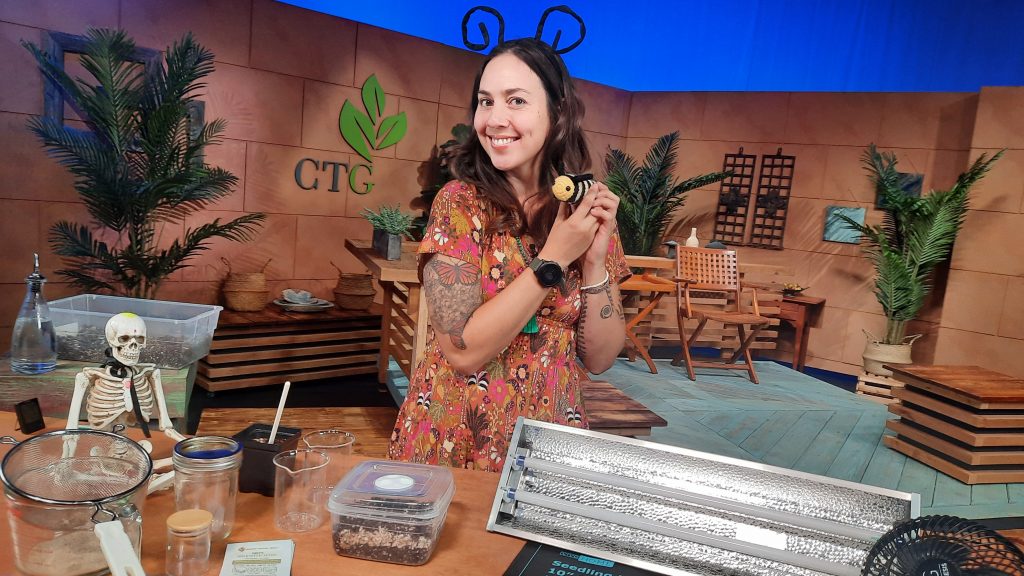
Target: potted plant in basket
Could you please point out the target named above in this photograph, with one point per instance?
(136, 167)
(649, 195)
(916, 234)
(389, 225)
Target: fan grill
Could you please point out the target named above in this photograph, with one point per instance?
(943, 545)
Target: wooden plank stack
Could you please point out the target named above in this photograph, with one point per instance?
(878, 388)
(270, 346)
(965, 421)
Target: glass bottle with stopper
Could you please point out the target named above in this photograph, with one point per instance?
(33, 342)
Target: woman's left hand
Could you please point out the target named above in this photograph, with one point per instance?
(605, 207)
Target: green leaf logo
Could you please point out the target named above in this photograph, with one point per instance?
(362, 131)
(373, 98)
(356, 129)
(391, 130)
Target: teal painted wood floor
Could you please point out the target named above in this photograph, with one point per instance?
(794, 421)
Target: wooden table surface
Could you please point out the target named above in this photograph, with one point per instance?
(405, 269)
(465, 546)
(972, 385)
(371, 425)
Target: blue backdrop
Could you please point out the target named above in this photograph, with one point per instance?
(745, 45)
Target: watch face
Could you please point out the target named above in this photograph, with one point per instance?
(549, 274)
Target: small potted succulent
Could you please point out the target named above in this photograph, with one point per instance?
(389, 225)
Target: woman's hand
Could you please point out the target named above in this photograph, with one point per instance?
(604, 207)
(572, 234)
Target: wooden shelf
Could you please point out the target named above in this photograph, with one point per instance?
(270, 346)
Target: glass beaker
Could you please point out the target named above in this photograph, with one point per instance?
(298, 481)
(33, 341)
(335, 443)
(206, 477)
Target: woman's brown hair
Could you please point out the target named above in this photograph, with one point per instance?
(565, 150)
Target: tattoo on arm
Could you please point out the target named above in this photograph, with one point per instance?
(612, 304)
(581, 344)
(452, 288)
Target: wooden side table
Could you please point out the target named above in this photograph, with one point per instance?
(965, 421)
(801, 312)
(404, 318)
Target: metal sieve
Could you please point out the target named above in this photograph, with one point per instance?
(62, 484)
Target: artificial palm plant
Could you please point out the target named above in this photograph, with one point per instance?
(649, 194)
(136, 167)
(916, 234)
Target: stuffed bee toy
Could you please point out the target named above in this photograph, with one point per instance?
(572, 187)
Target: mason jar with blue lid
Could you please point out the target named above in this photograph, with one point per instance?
(206, 477)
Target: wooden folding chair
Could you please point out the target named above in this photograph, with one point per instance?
(714, 271)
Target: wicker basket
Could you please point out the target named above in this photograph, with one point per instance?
(245, 291)
(245, 300)
(354, 291)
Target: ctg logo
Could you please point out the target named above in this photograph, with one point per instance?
(364, 132)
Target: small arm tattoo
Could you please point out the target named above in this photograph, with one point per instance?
(581, 343)
(452, 288)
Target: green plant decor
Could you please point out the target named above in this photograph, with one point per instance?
(390, 219)
(434, 173)
(916, 234)
(649, 194)
(135, 167)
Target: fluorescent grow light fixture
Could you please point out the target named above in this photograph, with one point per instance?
(683, 512)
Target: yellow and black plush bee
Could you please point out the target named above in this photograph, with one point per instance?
(572, 187)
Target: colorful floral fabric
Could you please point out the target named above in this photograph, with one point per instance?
(467, 420)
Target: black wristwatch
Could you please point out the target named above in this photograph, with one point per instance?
(548, 273)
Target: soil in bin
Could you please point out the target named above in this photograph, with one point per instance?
(89, 344)
(383, 541)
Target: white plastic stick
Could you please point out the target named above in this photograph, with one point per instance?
(280, 410)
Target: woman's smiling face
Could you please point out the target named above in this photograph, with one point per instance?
(511, 117)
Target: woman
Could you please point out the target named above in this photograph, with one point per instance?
(518, 285)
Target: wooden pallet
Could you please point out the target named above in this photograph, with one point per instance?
(268, 347)
(878, 388)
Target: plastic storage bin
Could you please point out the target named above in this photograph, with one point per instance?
(177, 333)
(390, 511)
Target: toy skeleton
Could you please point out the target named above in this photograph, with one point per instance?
(122, 390)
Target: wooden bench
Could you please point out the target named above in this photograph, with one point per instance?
(272, 345)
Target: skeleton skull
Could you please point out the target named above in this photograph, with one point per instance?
(126, 334)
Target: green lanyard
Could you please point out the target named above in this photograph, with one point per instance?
(531, 326)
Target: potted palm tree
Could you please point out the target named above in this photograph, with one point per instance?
(916, 234)
(649, 195)
(136, 167)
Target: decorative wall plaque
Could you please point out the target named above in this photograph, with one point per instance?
(734, 198)
(772, 201)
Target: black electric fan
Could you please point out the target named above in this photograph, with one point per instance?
(943, 546)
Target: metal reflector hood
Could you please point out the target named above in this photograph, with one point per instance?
(682, 512)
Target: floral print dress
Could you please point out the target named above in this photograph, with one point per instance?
(467, 421)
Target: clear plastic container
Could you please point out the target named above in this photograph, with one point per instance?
(177, 333)
(206, 477)
(390, 511)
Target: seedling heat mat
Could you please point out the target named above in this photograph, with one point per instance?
(682, 512)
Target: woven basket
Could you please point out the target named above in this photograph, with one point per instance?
(354, 291)
(245, 300)
(245, 291)
(353, 302)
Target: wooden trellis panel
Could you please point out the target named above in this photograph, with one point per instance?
(772, 201)
(734, 198)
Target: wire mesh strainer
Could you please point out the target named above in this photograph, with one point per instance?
(61, 487)
(105, 467)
